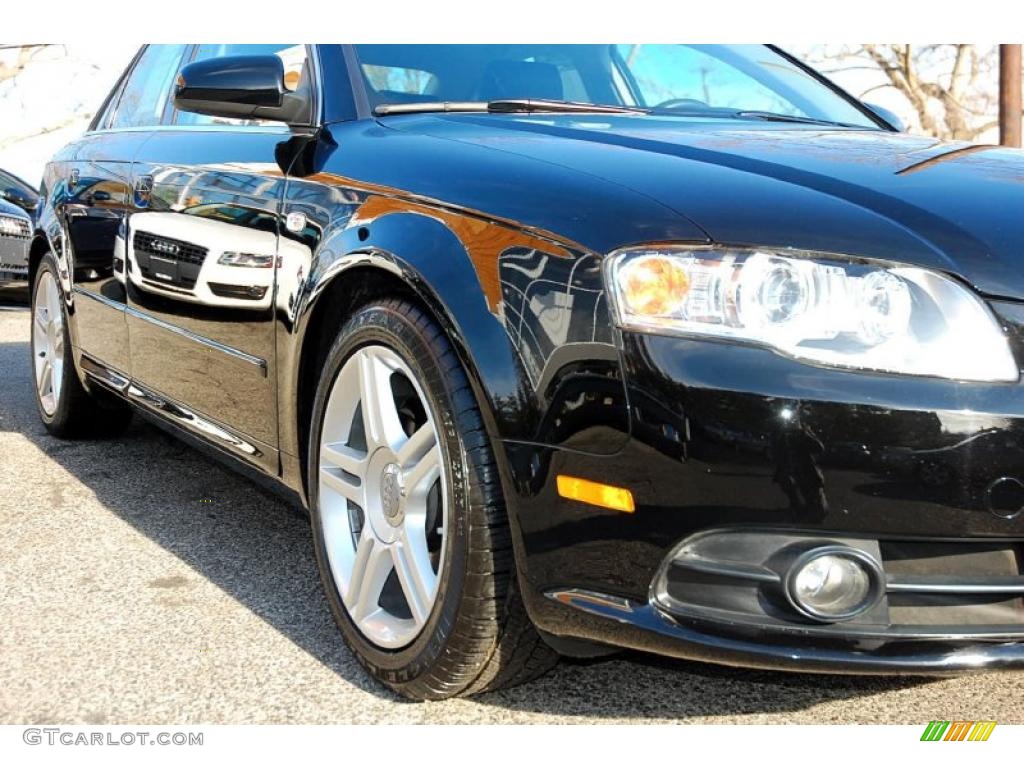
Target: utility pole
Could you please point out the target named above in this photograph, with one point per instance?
(1009, 95)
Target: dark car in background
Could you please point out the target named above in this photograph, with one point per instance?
(15, 236)
(565, 348)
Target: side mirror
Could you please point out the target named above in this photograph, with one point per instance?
(247, 87)
(889, 117)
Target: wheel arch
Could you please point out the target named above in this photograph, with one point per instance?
(419, 258)
(37, 249)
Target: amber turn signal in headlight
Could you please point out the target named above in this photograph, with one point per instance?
(598, 494)
(653, 285)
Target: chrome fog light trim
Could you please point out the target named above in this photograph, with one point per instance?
(833, 583)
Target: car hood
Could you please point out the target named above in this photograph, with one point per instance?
(944, 205)
(9, 209)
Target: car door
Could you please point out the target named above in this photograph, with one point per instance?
(202, 249)
(94, 203)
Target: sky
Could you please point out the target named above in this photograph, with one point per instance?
(52, 101)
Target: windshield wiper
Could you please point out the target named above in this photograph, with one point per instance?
(778, 117)
(505, 106)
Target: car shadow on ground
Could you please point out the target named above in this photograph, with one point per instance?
(257, 548)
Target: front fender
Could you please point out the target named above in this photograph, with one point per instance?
(50, 236)
(427, 257)
(511, 302)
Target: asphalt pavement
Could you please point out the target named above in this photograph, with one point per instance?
(142, 582)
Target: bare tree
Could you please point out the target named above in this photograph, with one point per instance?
(951, 88)
(23, 57)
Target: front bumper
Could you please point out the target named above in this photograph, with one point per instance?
(14, 258)
(736, 437)
(640, 625)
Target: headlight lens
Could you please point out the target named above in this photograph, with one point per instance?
(238, 259)
(816, 307)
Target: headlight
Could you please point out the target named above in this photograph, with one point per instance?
(816, 307)
(237, 259)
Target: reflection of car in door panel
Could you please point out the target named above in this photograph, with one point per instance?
(202, 260)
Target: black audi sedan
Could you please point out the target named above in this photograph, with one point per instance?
(567, 348)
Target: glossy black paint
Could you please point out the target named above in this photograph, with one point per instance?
(239, 86)
(499, 224)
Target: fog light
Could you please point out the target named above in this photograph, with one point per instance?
(833, 583)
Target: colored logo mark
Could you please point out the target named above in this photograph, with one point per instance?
(958, 730)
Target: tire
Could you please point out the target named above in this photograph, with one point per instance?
(472, 634)
(65, 407)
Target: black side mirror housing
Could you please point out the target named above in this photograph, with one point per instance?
(890, 117)
(246, 87)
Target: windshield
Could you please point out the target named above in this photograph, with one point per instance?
(705, 80)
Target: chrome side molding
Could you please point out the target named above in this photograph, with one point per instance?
(167, 408)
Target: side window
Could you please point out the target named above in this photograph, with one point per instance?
(665, 73)
(145, 94)
(296, 75)
(104, 120)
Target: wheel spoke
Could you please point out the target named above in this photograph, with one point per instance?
(416, 447)
(370, 572)
(46, 379)
(415, 575)
(331, 477)
(52, 302)
(363, 549)
(41, 322)
(343, 457)
(380, 417)
(422, 475)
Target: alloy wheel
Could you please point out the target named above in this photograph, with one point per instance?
(382, 496)
(48, 342)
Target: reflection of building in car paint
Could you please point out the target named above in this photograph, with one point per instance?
(556, 314)
(549, 302)
(217, 255)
